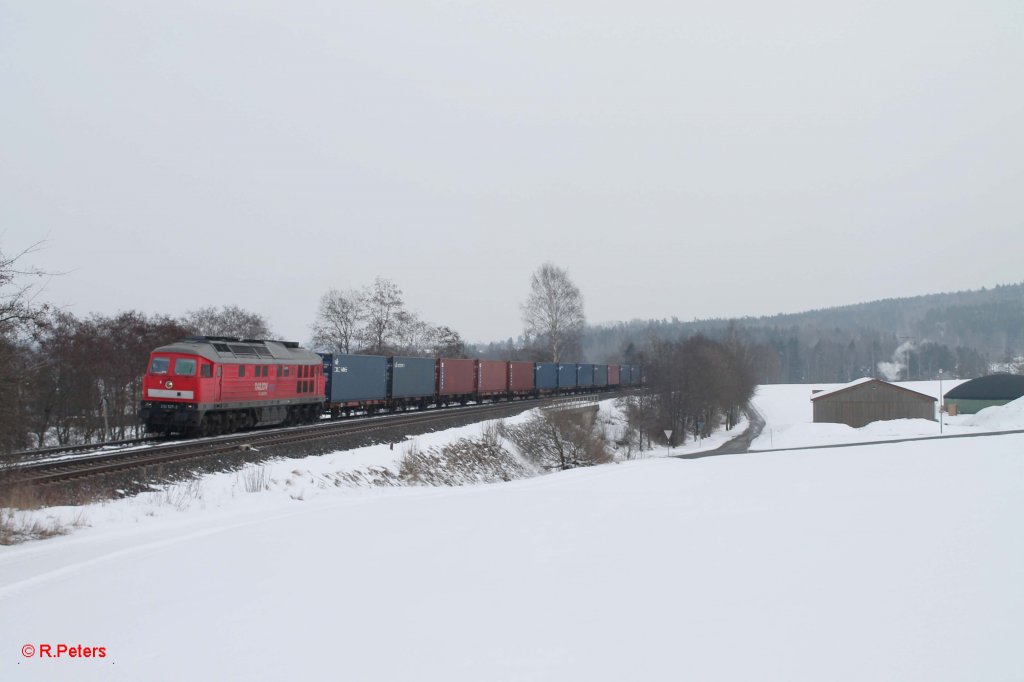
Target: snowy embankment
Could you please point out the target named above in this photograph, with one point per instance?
(894, 561)
(426, 459)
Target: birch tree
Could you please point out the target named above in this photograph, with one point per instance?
(553, 312)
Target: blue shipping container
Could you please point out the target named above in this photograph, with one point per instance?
(585, 375)
(567, 375)
(600, 375)
(545, 375)
(411, 377)
(356, 378)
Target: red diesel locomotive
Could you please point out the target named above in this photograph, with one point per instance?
(205, 385)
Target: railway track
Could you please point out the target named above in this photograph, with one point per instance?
(262, 443)
(37, 454)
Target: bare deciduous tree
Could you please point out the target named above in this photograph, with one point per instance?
(18, 287)
(412, 336)
(383, 304)
(695, 384)
(553, 312)
(339, 320)
(447, 343)
(230, 320)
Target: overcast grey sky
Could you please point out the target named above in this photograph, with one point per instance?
(693, 159)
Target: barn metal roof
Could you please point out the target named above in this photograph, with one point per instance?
(869, 380)
(991, 387)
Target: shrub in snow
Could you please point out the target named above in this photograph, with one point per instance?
(464, 461)
(560, 439)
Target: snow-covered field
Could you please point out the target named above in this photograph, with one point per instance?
(900, 561)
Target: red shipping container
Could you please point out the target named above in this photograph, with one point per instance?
(456, 377)
(520, 377)
(491, 376)
(613, 375)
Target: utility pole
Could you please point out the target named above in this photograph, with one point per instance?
(940, 402)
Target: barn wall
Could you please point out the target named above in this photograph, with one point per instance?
(871, 402)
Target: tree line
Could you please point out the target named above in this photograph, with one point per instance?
(69, 379)
(79, 379)
(694, 386)
(375, 320)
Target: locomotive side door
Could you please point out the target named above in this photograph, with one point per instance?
(212, 384)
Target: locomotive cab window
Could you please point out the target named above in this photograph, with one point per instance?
(241, 371)
(159, 366)
(185, 367)
(206, 371)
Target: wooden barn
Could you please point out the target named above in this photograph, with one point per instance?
(869, 400)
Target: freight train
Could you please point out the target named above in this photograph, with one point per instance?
(206, 385)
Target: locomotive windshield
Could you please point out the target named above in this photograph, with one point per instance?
(184, 367)
(159, 366)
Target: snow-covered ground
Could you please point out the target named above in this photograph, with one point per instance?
(898, 561)
(789, 419)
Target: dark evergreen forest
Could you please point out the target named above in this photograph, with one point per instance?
(965, 334)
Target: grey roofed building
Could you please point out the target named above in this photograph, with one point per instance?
(975, 395)
(868, 400)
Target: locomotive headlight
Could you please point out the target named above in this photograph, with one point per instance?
(169, 384)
